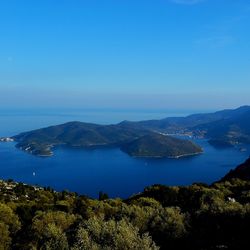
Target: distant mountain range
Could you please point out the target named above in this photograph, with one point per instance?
(223, 128)
(144, 138)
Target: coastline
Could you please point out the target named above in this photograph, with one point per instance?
(168, 157)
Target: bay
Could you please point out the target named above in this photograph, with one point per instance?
(108, 170)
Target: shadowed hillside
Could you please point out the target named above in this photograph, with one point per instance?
(241, 172)
(223, 128)
(157, 145)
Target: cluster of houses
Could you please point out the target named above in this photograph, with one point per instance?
(7, 188)
(6, 139)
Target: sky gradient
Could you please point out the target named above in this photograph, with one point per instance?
(125, 54)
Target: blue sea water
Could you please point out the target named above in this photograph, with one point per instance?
(108, 170)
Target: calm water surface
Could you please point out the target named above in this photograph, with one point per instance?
(108, 170)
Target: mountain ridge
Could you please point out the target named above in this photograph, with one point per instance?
(76, 134)
(209, 125)
(223, 128)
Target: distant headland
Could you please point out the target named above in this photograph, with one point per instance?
(151, 138)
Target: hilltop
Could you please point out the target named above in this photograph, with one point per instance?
(144, 138)
(227, 127)
(77, 134)
(157, 145)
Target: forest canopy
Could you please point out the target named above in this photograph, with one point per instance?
(161, 217)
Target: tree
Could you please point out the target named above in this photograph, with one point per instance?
(168, 226)
(5, 239)
(60, 219)
(103, 196)
(111, 235)
(8, 217)
(54, 238)
(50, 229)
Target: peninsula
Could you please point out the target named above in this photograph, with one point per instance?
(136, 142)
(144, 138)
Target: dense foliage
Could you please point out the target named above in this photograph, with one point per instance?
(161, 217)
(158, 145)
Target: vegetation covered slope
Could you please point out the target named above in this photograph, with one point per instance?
(194, 217)
(75, 134)
(223, 128)
(78, 134)
(176, 124)
(157, 145)
(229, 131)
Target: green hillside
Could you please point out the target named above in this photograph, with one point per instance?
(75, 134)
(78, 134)
(229, 131)
(223, 128)
(157, 145)
(176, 124)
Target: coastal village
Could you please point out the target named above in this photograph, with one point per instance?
(6, 139)
(16, 190)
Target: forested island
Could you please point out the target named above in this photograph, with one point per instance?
(136, 142)
(153, 138)
(199, 216)
(157, 145)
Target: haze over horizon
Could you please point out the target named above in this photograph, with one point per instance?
(173, 54)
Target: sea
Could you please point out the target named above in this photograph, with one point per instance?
(109, 170)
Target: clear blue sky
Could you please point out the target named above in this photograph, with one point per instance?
(125, 53)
